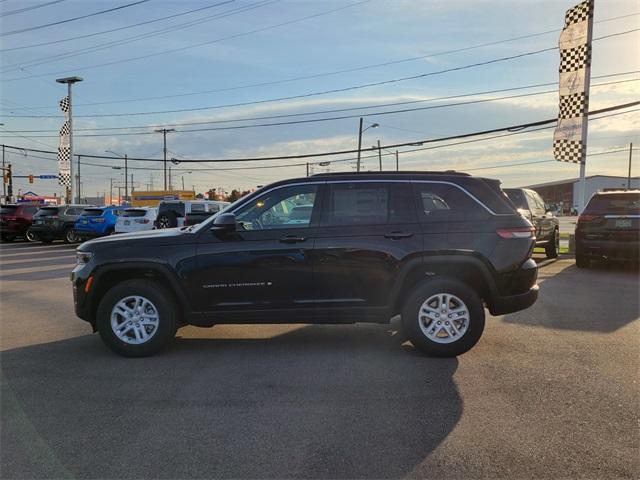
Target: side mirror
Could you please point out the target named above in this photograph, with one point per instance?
(224, 223)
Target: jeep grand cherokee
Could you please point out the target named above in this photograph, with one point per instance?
(433, 247)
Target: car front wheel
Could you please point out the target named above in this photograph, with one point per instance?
(443, 318)
(137, 318)
(553, 247)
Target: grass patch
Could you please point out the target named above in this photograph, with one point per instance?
(541, 250)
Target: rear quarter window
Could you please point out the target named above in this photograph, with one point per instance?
(441, 202)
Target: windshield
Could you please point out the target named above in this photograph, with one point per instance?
(624, 203)
(47, 212)
(134, 213)
(8, 209)
(92, 212)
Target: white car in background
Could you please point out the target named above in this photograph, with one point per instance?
(136, 219)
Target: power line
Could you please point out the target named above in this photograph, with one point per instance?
(315, 120)
(38, 27)
(513, 129)
(340, 110)
(141, 36)
(53, 42)
(313, 94)
(26, 9)
(326, 12)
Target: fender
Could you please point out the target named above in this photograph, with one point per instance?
(445, 258)
(166, 273)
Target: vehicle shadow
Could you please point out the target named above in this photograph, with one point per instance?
(315, 402)
(584, 299)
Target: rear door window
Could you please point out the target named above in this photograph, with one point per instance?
(357, 204)
(437, 202)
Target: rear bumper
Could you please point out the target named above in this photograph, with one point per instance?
(514, 303)
(516, 290)
(88, 233)
(611, 249)
(45, 231)
(13, 229)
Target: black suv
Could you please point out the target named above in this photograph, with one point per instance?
(334, 248)
(56, 223)
(609, 228)
(547, 225)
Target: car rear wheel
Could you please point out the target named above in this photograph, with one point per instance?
(443, 318)
(30, 236)
(167, 220)
(70, 236)
(553, 247)
(137, 318)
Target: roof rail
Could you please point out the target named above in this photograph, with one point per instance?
(393, 172)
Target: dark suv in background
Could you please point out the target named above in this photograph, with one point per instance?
(15, 221)
(56, 223)
(335, 248)
(609, 228)
(530, 204)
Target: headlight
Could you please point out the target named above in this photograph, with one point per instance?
(83, 258)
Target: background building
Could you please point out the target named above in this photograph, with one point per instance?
(565, 192)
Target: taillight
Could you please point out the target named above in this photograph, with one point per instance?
(10, 218)
(517, 232)
(585, 217)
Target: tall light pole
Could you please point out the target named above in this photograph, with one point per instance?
(360, 132)
(126, 185)
(70, 81)
(182, 176)
(164, 132)
(392, 153)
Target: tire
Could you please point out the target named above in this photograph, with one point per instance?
(417, 323)
(167, 220)
(70, 236)
(159, 300)
(7, 237)
(30, 236)
(582, 261)
(553, 247)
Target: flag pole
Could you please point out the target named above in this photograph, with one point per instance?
(585, 119)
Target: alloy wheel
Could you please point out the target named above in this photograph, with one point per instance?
(134, 320)
(443, 318)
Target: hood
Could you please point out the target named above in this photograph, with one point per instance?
(151, 237)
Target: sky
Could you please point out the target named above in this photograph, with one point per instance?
(212, 54)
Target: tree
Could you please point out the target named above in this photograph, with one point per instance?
(234, 195)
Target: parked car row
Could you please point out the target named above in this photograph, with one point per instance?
(75, 223)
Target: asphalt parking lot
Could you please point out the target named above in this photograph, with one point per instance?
(548, 392)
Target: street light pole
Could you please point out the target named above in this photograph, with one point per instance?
(397, 162)
(629, 175)
(359, 144)
(79, 188)
(164, 132)
(70, 81)
(379, 155)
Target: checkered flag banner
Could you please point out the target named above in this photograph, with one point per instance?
(64, 150)
(64, 166)
(575, 61)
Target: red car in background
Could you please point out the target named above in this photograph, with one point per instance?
(15, 220)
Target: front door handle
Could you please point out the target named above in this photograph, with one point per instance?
(398, 235)
(292, 239)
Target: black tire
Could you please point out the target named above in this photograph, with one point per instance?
(411, 320)
(7, 237)
(167, 220)
(30, 236)
(552, 249)
(582, 261)
(70, 236)
(167, 317)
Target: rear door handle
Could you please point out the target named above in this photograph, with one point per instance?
(292, 239)
(398, 235)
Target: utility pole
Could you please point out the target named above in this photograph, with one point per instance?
(4, 188)
(110, 191)
(307, 167)
(10, 186)
(164, 132)
(379, 155)
(70, 81)
(397, 162)
(79, 188)
(170, 184)
(126, 185)
(359, 144)
(183, 182)
(629, 175)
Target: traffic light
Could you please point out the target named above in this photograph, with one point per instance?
(30, 178)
